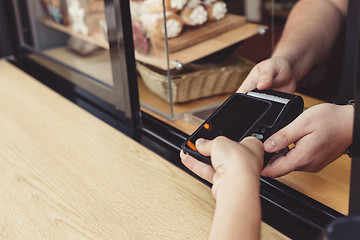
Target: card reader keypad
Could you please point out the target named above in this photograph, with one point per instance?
(258, 136)
(261, 132)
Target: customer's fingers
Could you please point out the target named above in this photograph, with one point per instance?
(201, 169)
(254, 145)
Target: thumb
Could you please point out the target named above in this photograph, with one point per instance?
(266, 76)
(254, 145)
(203, 146)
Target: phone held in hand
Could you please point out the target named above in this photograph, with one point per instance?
(257, 113)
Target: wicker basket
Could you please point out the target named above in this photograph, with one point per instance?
(217, 79)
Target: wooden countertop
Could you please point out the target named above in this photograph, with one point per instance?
(67, 175)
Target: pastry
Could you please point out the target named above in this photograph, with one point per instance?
(141, 43)
(175, 5)
(77, 17)
(194, 14)
(135, 10)
(170, 5)
(154, 25)
(216, 9)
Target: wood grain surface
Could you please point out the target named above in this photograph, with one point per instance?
(67, 175)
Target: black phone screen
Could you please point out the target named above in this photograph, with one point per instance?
(233, 119)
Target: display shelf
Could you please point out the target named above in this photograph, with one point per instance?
(157, 57)
(97, 38)
(193, 35)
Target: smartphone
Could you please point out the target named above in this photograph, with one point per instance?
(236, 118)
(259, 113)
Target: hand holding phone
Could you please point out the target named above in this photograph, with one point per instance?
(257, 113)
(235, 119)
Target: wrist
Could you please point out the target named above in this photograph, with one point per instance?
(235, 201)
(285, 53)
(300, 62)
(348, 150)
(231, 184)
(349, 118)
(290, 59)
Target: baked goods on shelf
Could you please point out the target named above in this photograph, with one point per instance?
(84, 17)
(56, 10)
(180, 16)
(170, 5)
(155, 26)
(77, 17)
(194, 14)
(141, 43)
(216, 9)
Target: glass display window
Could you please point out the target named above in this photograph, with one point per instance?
(185, 57)
(72, 34)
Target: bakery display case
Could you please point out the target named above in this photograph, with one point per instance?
(184, 52)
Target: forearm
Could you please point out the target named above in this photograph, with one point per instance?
(310, 33)
(238, 211)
